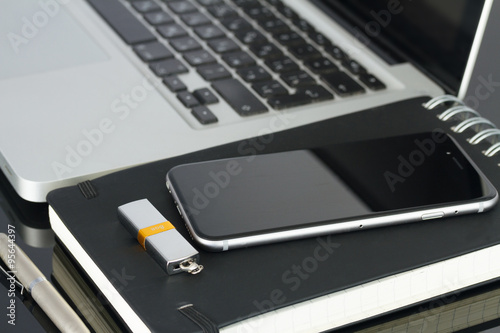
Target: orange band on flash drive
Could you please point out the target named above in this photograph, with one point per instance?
(153, 230)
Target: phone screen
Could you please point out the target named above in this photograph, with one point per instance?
(256, 194)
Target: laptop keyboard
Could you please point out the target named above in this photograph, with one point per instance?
(255, 55)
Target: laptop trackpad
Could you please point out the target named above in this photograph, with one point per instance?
(42, 36)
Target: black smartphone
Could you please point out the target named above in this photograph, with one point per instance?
(258, 199)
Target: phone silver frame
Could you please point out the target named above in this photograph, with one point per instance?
(388, 218)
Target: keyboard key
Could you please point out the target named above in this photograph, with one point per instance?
(181, 7)
(371, 81)
(269, 88)
(289, 38)
(336, 52)
(222, 11)
(172, 31)
(152, 51)
(145, 6)
(158, 18)
(280, 102)
(205, 96)
(200, 57)
(185, 44)
(187, 99)
(305, 52)
(174, 84)
(236, 24)
(303, 25)
(297, 79)
(266, 51)
(321, 66)
(251, 37)
(209, 2)
(254, 74)
(195, 19)
(316, 93)
(353, 66)
(343, 84)
(168, 67)
(223, 45)
(282, 65)
(204, 115)
(209, 32)
(288, 12)
(239, 97)
(274, 25)
(319, 38)
(246, 3)
(260, 13)
(303, 96)
(214, 72)
(125, 24)
(238, 59)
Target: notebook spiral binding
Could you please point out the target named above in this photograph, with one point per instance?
(470, 119)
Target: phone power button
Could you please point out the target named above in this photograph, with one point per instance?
(435, 215)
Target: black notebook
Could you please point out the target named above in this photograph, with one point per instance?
(286, 287)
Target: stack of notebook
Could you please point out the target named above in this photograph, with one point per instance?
(367, 273)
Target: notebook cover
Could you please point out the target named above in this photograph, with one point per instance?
(239, 284)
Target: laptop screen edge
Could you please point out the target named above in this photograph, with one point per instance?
(476, 44)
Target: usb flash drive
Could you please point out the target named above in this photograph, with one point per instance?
(159, 237)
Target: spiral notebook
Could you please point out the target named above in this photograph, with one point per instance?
(367, 273)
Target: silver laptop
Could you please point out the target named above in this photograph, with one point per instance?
(89, 87)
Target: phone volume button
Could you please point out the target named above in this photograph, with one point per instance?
(435, 215)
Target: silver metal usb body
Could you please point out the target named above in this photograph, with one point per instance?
(159, 237)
